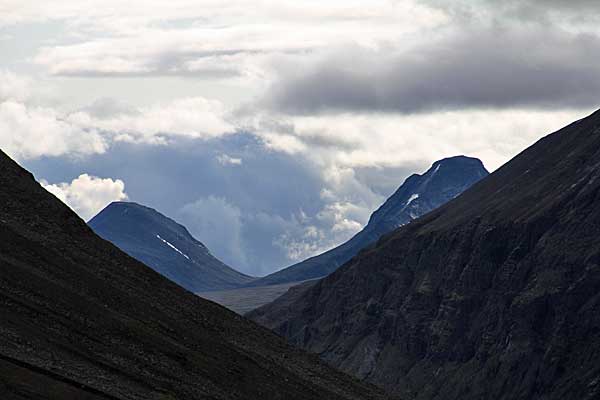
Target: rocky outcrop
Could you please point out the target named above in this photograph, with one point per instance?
(495, 295)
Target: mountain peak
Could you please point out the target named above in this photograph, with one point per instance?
(164, 245)
(457, 161)
(130, 205)
(418, 195)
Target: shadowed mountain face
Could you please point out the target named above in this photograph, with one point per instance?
(417, 196)
(495, 295)
(83, 320)
(164, 245)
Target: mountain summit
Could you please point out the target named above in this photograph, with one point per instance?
(165, 246)
(494, 295)
(418, 195)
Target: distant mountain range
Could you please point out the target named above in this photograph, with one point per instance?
(83, 320)
(171, 250)
(495, 295)
(165, 246)
(417, 196)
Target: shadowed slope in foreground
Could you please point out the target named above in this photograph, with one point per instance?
(81, 319)
(495, 295)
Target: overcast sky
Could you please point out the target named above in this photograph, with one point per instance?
(272, 129)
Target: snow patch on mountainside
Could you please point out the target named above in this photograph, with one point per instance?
(171, 246)
(412, 198)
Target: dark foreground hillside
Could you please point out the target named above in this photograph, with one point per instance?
(82, 320)
(495, 295)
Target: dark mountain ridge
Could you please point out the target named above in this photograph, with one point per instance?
(165, 246)
(495, 295)
(418, 195)
(83, 320)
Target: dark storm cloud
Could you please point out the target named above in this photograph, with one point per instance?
(520, 9)
(570, 4)
(495, 68)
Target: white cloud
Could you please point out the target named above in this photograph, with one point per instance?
(87, 195)
(190, 117)
(31, 132)
(28, 130)
(14, 87)
(225, 159)
(336, 142)
(306, 236)
(209, 37)
(113, 13)
(347, 206)
(218, 224)
(302, 243)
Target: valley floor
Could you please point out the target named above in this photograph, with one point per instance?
(244, 300)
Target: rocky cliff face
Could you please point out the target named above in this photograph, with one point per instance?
(82, 320)
(165, 246)
(417, 196)
(495, 295)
